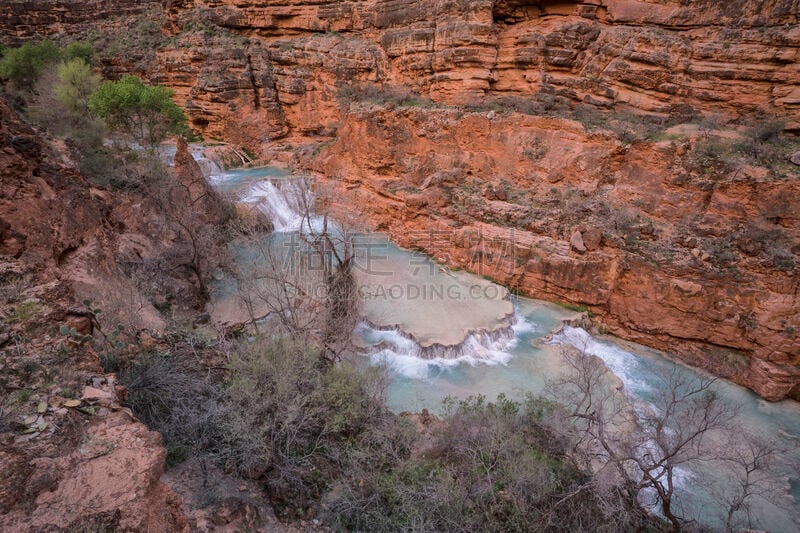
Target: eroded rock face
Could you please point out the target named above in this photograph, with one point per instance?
(34, 181)
(22, 20)
(651, 56)
(251, 71)
(654, 263)
(95, 469)
(227, 89)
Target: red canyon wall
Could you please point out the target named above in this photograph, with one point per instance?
(716, 56)
(702, 266)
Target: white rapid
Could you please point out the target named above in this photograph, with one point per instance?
(639, 367)
(280, 197)
(405, 356)
(211, 170)
(623, 364)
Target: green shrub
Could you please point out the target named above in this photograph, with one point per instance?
(319, 434)
(23, 395)
(23, 312)
(76, 82)
(145, 112)
(22, 66)
(491, 467)
(79, 50)
(60, 104)
(59, 101)
(290, 414)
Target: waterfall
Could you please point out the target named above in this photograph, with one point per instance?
(281, 199)
(278, 206)
(211, 170)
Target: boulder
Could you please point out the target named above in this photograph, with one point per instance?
(81, 324)
(92, 393)
(576, 242)
(416, 201)
(592, 238)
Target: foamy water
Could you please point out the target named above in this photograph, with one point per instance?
(404, 356)
(623, 364)
(211, 170)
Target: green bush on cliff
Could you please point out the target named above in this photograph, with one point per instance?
(79, 50)
(22, 66)
(76, 82)
(59, 103)
(145, 112)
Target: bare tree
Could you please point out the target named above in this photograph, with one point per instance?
(305, 278)
(194, 212)
(754, 465)
(277, 279)
(645, 443)
(336, 246)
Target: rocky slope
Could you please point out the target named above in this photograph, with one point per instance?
(72, 457)
(682, 238)
(81, 266)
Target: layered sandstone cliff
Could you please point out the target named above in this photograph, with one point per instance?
(285, 60)
(715, 56)
(23, 20)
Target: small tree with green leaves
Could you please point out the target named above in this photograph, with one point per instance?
(145, 112)
(22, 66)
(79, 50)
(76, 83)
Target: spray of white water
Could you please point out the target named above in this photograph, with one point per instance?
(282, 211)
(211, 170)
(625, 365)
(405, 356)
(283, 200)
